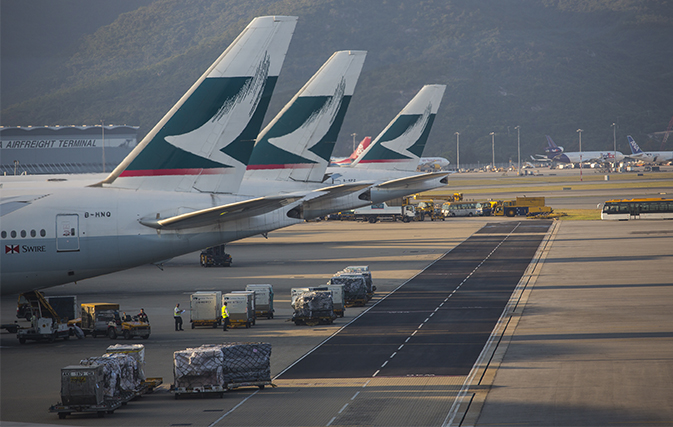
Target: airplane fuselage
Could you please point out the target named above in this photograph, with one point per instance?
(71, 234)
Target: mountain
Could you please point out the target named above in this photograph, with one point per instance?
(549, 66)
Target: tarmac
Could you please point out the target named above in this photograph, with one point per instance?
(585, 339)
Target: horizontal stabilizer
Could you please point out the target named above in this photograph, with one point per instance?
(412, 180)
(342, 190)
(219, 214)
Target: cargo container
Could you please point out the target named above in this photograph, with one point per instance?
(263, 300)
(82, 385)
(364, 270)
(251, 303)
(312, 307)
(65, 306)
(238, 308)
(206, 309)
(355, 288)
(337, 296)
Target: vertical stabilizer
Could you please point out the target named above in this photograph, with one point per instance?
(204, 142)
(299, 141)
(401, 144)
(635, 149)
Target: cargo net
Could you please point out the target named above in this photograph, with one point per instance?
(355, 286)
(120, 373)
(313, 304)
(222, 364)
(364, 271)
(137, 351)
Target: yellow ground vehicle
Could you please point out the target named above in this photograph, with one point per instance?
(523, 206)
(104, 319)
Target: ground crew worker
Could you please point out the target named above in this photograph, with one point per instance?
(142, 316)
(225, 317)
(178, 318)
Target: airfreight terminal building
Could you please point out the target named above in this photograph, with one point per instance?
(64, 149)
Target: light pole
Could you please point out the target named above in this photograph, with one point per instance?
(614, 141)
(354, 135)
(518, 150)
(492, 150)
(457, 151)
(580, 132)
(102, 126)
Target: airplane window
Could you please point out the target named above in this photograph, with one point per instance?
(33, 233)
(23, 233)
(13, 233)
(4, 234)
(43, 232)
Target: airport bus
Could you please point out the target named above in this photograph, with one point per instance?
(625, 209)
(462, 209)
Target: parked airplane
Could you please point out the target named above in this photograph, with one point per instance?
(650, 156)
(556, 154)
(344, 161)
(392, 158)
(168, 197)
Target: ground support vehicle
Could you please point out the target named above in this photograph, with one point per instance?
(125, 326)
(206, 309)
(382, 211)
(238, 308)
(65, 306)
(45, 323)
(96, 317)
(263, 300)
(215, 257)
(523, 206)
(12, 328)
(647, 208)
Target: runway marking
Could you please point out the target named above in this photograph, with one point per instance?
(234, 408)
(392, 355)
(342, 409)
(384, 363)
(355, 395)
(376, 373)
(400, 347)
(330, 422)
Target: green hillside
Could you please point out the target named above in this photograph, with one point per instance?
(550, 67)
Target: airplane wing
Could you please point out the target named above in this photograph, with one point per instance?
(341, 190)
(411, 180)
(224, 213)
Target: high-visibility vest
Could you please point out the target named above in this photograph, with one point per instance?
(225, 312)
(177, 311)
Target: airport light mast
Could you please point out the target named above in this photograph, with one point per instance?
(457, 151)
(614, 140)
(580, 132)
(492, 150)
(518, 149)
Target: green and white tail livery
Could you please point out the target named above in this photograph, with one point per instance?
(400, 146)
(203, 144)
(297, 144)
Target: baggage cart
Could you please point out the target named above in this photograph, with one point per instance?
(263, 300)
(337, 297)
(82, 391)
(206, 309)
(238, 308)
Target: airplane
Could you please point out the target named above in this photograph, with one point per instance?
(392, 158)
(556, 154)
(354, 155)
(173, 194)
(650, 156)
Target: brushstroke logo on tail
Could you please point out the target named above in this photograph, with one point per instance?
(315, 119)
(404, 140)
(207, 134)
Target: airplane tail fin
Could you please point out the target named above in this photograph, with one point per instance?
(400, 145)
(361, 148)
(297, 144)
(635, 149)
(550, 142)
(204, 142)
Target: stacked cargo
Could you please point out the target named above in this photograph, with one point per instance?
(364, 270)
(355, 288)
(137, 351)
(263, 300)
(120, 373)
(219, 367)
(312, 307)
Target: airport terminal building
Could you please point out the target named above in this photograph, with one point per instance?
(64, 149)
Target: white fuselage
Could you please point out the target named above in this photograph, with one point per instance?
(69, 234)
(654, 156)
(589, 156)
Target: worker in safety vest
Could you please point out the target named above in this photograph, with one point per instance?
(225, 317)
(178, 318)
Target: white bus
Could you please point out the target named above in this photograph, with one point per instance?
(623, 209)
(462, 209)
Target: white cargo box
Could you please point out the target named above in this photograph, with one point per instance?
(251, 299)
(263, 299)
(206, 307)
(238, 308)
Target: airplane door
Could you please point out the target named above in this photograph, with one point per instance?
(67, 232)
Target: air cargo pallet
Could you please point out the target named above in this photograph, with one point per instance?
(259, 384)
(357, 302)
(108, 407)
(210, 323)
(313, 321)
(204, 390)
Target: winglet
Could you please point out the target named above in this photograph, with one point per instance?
(401, 144)
(204, 142)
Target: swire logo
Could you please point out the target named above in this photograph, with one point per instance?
(12, 249)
